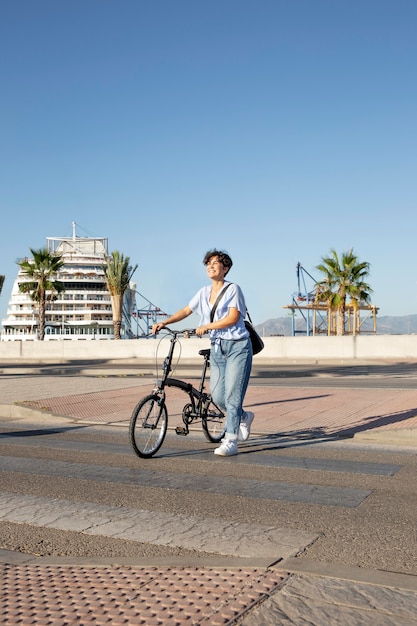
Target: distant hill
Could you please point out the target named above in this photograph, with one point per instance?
(386, 325)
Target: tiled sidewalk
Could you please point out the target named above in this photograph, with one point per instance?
(323, 411)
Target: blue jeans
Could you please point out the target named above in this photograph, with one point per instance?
(230, 366)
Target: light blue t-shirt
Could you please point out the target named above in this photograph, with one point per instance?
(233, 297)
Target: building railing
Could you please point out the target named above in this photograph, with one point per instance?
(74, 333)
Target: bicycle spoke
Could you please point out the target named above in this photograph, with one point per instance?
(148, 426)
(213, 423)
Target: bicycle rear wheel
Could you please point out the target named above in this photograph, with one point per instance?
(148, 426)
(213, 423)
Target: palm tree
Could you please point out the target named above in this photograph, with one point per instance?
(118, 273)
(1, 282)
(344, 278)
(42, 286)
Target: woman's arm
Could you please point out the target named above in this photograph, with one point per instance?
(176, 317)
(230, 319)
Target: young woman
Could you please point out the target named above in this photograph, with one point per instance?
(231, 349)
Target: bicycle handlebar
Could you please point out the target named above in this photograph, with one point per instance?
(186, 332)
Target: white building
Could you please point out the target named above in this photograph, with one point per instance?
(83, 310)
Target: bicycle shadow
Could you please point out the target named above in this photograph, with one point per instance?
(40, 432)
(270, 442)
(288, 400)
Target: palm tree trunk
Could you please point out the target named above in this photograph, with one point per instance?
(116, 303)
(341, 320)
(41, 318)
(117, 326)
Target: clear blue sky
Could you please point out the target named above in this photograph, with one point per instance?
(274, 129)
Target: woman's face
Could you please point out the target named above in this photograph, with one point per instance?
(215, 269)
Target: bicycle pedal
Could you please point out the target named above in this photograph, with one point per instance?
(181, 430)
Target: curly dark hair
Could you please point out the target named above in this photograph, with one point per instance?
(223, 257)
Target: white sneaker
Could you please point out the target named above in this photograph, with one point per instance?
(228, 448)
(245, 424)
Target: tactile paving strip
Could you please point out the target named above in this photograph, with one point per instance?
(75, 595)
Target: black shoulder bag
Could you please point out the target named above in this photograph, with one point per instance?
(256, 341)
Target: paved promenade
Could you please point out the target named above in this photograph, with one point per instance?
(230, 591)
(104, 396)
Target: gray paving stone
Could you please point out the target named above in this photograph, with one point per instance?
(191, 532)
(316, 601)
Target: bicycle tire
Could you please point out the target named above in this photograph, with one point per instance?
(148, 426)
(213, 423)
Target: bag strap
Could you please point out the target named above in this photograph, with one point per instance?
(219, 297)
(249, 317)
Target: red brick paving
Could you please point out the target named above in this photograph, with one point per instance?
(286, 410)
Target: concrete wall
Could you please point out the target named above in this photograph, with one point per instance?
(277, 349)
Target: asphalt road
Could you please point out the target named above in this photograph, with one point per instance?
(345, 503)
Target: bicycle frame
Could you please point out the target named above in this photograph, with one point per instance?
(199, 399)
(149, 421)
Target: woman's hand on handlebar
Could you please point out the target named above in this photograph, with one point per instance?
(202, 330)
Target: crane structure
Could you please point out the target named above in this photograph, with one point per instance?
(317, 318)
(140, 315)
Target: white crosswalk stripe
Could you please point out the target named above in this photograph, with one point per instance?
(209, 535)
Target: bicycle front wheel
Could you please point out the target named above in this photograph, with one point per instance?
(148, 426)
(213, 423)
